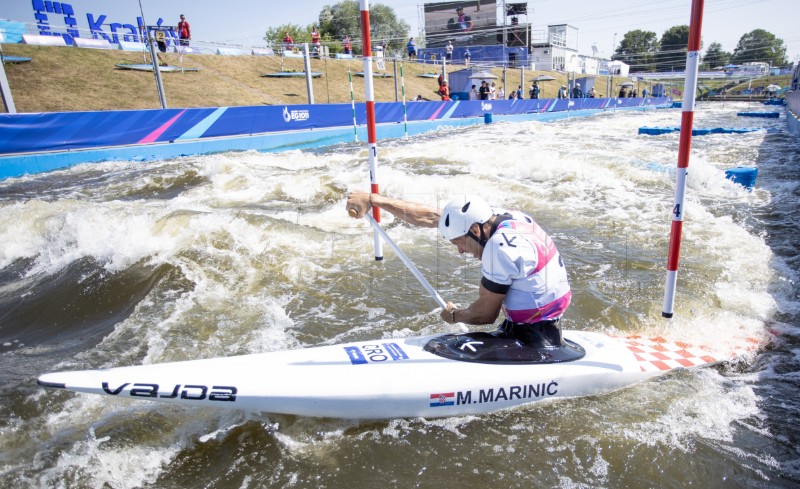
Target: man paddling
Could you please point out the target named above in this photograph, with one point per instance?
(523, 273)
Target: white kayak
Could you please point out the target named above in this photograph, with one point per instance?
(395, 378)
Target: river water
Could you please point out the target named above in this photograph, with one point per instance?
(124, 263)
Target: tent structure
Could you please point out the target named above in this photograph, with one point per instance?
(462, 80)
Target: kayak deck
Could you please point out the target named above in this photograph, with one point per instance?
(495, 349)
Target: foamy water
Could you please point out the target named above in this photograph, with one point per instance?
(248, 252)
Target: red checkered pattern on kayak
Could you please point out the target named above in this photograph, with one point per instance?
(657, 354)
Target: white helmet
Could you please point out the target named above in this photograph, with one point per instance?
(461, 213)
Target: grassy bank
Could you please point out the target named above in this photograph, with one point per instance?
(73, 79)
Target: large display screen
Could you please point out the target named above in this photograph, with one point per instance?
(465, 23)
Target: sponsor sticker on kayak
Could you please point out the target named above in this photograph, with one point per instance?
(190, 392)
(374, 353)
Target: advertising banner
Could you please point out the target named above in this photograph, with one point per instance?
(69, 131)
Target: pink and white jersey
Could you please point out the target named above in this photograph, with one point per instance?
(521, 255)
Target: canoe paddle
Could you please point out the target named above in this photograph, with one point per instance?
(409, 264)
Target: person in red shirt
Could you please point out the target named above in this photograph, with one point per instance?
(316, 47)
(315, 36)
(348, 48)
(288, 42)
(444, 91)
(184, 32)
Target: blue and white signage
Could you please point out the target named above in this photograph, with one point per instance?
(57, 13)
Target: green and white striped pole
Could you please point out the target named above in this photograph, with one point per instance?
(353, 105)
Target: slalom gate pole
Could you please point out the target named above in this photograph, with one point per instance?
(353, 105)
(687, 119)
(372, 138)
(411, 267)
(309, 78)
(154, 59)
(5, 89)
(405, 114)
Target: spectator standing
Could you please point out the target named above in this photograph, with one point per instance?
(577, 92)
(315, 41)
(492, 92)
(519, 91)
(534, 91)
(562, 92)
(592, 93)
(467, 57)
(448, 51)
(473, 93)
(288, 41)
(184, 31)
(484, 91)
(412, 49)
(621, 92)
(161, 42)
(644, 93)
(348, 47)
(444, 91)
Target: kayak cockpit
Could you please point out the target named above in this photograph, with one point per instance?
(481, 347)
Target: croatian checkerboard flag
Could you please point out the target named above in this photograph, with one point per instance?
(443, 399)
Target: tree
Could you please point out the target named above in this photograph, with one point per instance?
(760, 45)
(638, 49)
(715, 57)
(274, 35)
(672, 49)
(344, 18)
(300, 34)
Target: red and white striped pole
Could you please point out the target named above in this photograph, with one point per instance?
(687, 119)
(372, 137)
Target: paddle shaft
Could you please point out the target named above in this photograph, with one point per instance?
(409, 264)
